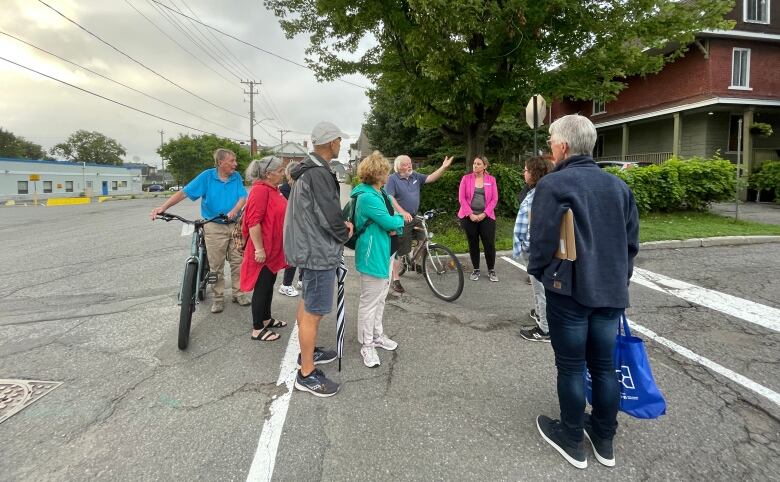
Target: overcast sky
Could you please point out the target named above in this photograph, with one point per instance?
(47, 112)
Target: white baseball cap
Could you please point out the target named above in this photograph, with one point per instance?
(325, 132)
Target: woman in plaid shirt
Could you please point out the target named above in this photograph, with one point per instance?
(535, 169)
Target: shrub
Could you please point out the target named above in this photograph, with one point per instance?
(443, 194)
(680, 184)
(767, 177)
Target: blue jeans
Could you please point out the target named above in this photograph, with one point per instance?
(581, 335)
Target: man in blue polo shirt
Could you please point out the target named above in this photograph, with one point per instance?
(221, 191)
(404, 187)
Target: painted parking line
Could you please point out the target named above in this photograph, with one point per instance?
(706, 362)
(751, 311)
(262, 468)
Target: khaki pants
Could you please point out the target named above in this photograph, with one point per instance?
(220, 246)
(373, 292)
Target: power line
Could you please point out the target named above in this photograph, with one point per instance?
(115, 101)
(190, 33)
(118, 82)
(178, 44)
(140, 63)
(226, 49)
(251, 44)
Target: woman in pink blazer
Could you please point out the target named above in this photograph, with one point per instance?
(478, 196)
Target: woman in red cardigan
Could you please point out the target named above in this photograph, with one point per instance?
(478, 196)
(263, 227)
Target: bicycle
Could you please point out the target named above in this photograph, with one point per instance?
(437, 263)
(197, 274)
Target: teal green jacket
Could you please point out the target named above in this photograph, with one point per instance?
(372, 250)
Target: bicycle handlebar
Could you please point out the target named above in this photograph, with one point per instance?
(168, 217)
(430, 214)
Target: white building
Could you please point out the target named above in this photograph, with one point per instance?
(25, 179)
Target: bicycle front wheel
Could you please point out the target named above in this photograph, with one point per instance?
(443, 272)
(187, 303)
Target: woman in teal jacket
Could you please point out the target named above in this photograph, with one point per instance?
(374, 216)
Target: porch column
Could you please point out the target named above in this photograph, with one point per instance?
(676, 136)
(747, 142)
(624, 146)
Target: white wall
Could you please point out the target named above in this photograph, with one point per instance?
(60, 175)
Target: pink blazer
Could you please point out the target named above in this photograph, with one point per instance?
(466, 194)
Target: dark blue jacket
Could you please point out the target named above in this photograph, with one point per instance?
(606, 230)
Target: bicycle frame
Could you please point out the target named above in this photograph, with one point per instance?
(422, 245)
(197, 249)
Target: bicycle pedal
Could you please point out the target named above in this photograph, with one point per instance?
(211, 278)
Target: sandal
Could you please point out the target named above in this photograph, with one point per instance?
(266, 335)
(274, 323)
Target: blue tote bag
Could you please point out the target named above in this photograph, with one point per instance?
(639, 395)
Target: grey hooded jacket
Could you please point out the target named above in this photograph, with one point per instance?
(314, 229)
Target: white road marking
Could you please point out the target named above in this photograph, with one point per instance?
(262, 468)
(751, 311)
(706, 362)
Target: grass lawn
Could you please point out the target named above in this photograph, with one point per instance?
(652, 227)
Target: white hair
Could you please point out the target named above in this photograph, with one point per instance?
(399, 160)
(259, 168)
(577, 131)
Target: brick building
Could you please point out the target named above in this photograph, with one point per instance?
(693, 106)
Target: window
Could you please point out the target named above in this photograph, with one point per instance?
(599, 107)
(740, 69)
(22, 187)
(598, 149)
(89, 184)
(123, 184)
(46, 186)
(114, 185)
(68, 186)
(757, 11)
(734, 132)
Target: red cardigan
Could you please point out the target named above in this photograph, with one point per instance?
(264, 206)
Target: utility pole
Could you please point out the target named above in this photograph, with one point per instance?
(282, 132)
(162, 160)
(252, 92)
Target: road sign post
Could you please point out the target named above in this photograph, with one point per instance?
(534, 116)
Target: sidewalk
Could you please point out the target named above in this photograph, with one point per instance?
(768, 213)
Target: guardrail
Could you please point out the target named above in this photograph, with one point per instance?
(652, 157)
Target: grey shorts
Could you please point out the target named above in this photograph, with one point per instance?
(318, 286)
(409, 233)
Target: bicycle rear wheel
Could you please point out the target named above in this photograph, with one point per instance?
(187, 303)
(443, 272)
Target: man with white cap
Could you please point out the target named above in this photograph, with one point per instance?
(314, 237)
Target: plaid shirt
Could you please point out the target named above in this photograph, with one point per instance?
(521, 240)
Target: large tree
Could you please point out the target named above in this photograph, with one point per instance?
(88, 146)
(187, 156)
(15, 146)
(460, 62)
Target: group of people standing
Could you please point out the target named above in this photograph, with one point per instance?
(579, 315)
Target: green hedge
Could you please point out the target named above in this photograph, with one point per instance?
(767, 178)
(680, 184)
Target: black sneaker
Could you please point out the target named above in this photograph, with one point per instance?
(602, 448)
(321, 356)
(534, 316)
(535, 334)
(552, 433)
(316, 383)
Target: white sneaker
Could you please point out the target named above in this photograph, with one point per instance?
(288, 291)
(299, 284)
(370, 356)
(385, 343)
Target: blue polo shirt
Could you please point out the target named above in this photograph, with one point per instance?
(218, 196)
(406, 191)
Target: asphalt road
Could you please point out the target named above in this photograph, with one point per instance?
(88, 298)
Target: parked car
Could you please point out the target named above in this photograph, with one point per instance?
(174, 188)
(622, 164)
(155, 188)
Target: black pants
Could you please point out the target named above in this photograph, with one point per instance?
(262, 297)
(289, 276)
(486, 231)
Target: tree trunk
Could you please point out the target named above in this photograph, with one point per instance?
(475, 136)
